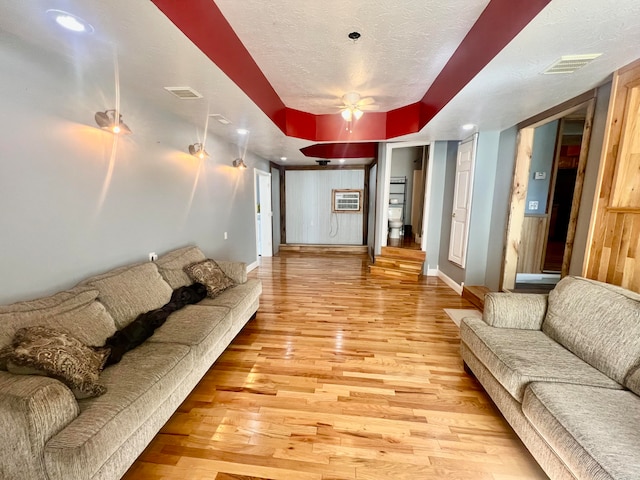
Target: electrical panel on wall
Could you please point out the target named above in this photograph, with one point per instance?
(346, 201)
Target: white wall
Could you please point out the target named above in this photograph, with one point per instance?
(309, 218)
(74, 202)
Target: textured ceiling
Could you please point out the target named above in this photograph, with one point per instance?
(303, 50)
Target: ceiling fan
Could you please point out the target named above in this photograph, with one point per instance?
(353, 106)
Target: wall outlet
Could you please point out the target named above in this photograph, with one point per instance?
(533, 205)
(225, 235)
(153, 256)
(539, 175)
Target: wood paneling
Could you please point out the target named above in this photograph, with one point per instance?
(615, 231)
(341, 376)
(534, 231)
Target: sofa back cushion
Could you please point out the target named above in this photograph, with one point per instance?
(598, 322)
(171, 265)
(76, 311)
(127, 292)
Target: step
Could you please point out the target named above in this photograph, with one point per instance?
(408, 253)
(399, 263)
(395, 273)
(475, 294)
(320, 249)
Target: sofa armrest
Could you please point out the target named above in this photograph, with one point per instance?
(525, 311)
(237, 271)
(32, 410)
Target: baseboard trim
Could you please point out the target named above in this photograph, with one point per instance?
(446, 279)
(252, 266)
(432, 272)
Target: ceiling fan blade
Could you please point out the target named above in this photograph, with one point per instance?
(369, 108)
(366, 101)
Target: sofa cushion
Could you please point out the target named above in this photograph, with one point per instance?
(75, 311)
(55, 353)
(239, 298)
(136, 387)
(171, 265)
(593, 430)
(517, 357)
(127, 292)
(210, 275)
(199, 327)
(598, 322)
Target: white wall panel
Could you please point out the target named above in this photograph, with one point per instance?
(308, 205)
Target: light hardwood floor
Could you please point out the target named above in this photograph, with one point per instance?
(340, 376)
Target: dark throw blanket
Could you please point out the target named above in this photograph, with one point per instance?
(145, 324)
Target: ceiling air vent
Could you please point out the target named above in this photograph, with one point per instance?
(570, 63)
(184, 93)
(220, 118)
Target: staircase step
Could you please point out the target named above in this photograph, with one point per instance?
(399, 263)
(396, 273)
(475, 294)
(408, 253)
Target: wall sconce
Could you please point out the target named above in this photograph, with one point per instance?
(197, 150)
(239, 164)
(107, 121)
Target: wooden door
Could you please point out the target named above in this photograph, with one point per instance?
(614, 256)
(462, 202)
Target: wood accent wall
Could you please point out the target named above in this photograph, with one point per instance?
(614, 255)
(532, 243)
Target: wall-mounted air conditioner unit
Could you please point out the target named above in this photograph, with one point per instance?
(346, 201)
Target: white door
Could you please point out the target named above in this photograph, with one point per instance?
(265, 244)
(462, 202)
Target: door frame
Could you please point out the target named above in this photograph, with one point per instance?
(384, 177)
(257, 173)
(524, 149)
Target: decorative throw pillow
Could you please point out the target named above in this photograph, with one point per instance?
(211, 275)
(57, 354)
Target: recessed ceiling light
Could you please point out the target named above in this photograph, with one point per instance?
(284, 159)
(341, 160)
(242, 131)
(70, 22)
(468, 126)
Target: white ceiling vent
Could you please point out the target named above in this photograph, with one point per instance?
(570, 63)
(184, 93)
(220, 118)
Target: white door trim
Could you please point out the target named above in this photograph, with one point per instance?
(384, 175)
(461, 260)
(268, 216)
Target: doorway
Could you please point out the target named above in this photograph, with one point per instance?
(264, 214)
(545, 199)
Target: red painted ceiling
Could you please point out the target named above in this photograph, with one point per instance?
(203, 23)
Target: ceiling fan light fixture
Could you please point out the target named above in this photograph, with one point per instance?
(346, 114)
(357, 113)
(107, 121)
(197, 150)
(239, 164)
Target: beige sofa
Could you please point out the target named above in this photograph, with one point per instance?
(48, 434)
(564, 370)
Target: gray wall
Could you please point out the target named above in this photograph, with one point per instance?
(500, 207)
(74, 201)
(544, 146)
(590, 180)
(275, 208)
(481, 207)
(436, 163)
(448, 151)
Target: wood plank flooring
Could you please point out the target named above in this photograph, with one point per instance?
(341, 376)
